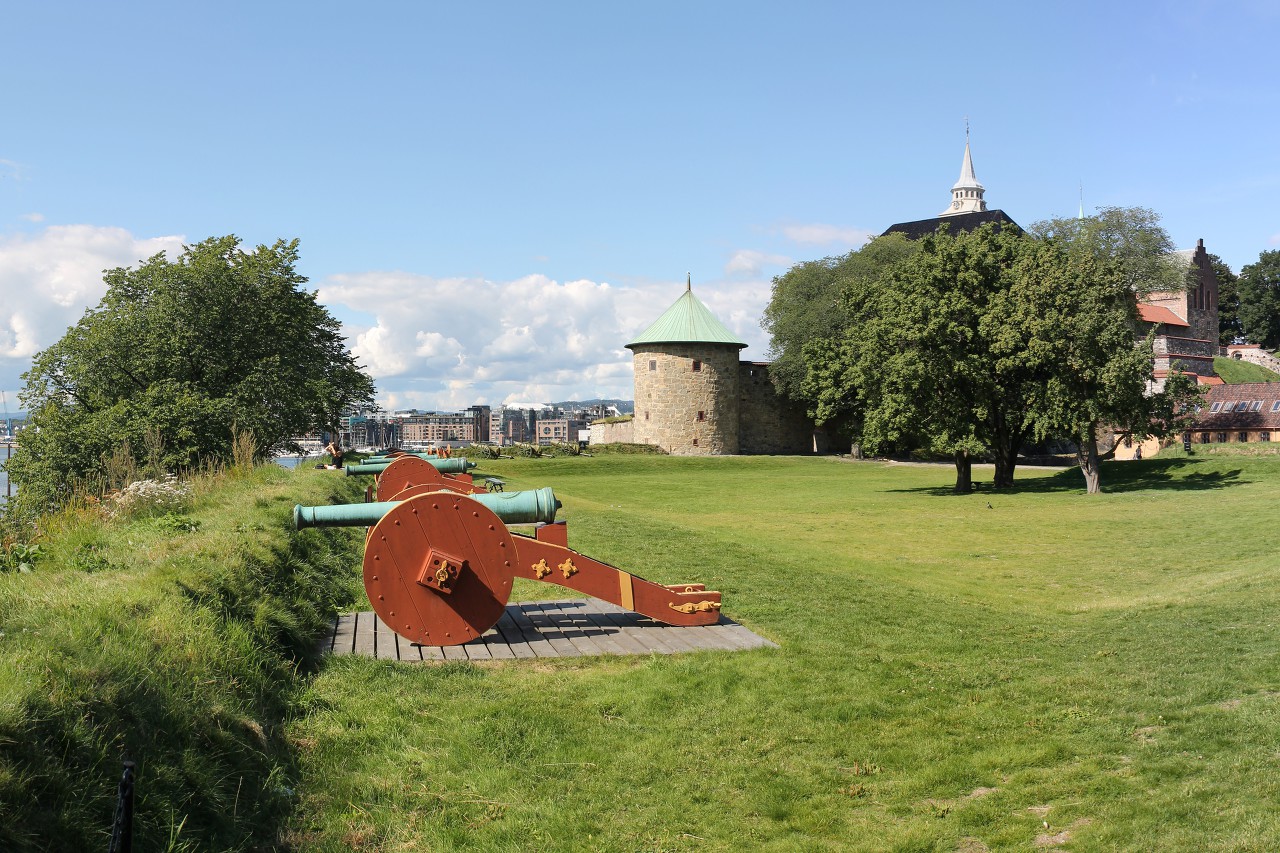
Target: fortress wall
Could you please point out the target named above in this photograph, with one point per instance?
(768, 422)
(615, 433)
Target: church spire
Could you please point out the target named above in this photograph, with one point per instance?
(966, 195)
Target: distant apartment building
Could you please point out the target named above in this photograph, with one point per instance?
(558, 430)
(468, 426)
(510, 426)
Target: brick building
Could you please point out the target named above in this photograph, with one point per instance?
(1245, 413)
(1185, 321)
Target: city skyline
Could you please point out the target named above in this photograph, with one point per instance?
(494, 200)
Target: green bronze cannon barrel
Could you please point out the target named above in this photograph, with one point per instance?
(383, 460)
(531, 507)
(457, 465)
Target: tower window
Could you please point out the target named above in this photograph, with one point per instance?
(695, 442)
(646, 416)
(653, 364)
(702, 416)
(697, 366)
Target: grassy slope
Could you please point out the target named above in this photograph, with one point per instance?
(178, 650)
(950, 675)
(1235, 372)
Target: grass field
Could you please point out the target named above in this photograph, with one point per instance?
(1029, 670)
(1236, 372)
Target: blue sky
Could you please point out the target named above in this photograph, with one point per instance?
(494, 198)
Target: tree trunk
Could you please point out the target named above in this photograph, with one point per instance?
(964, 472)
(1087, 454)
(1006, 461)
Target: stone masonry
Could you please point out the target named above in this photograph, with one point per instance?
(686, 397)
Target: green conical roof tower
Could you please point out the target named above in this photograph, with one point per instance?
(687, 321)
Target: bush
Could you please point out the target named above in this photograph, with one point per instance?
(627, 449)
(145, 497)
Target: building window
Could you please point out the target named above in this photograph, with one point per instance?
(1256, 406)
(646, 416)
(1244, 437)
(1204, 438)
(1222, 438)
(697, 366)
(702, 416)
(695, 442)
(1275, 407)
(1212, 409)
(653, 364)
(1264, 436)
(1242, 406)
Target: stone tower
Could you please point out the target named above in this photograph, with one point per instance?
(686, 381)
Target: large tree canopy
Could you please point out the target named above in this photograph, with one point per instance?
(976, 342)
(1259, 293)
(926, 359)
(1228, 301)
(817, 300)
(177, 355)
(1077, 312)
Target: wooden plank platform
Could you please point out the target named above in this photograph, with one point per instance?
(579, 627)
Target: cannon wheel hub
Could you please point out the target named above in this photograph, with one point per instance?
(479, 552)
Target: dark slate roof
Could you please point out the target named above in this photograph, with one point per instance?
(960, 222)
(1261, 407)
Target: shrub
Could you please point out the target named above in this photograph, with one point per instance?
(627, 449)
(145, 497)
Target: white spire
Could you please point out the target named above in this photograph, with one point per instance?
(966, 195)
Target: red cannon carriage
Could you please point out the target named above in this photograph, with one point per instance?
(439, 566)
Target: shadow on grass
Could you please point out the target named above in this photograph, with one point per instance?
(1145, 475)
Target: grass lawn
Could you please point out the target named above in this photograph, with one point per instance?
(1028, 670)
(1235, 372)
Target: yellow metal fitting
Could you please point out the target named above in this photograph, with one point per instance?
(568, 568)
(541, 569)
(699, 607)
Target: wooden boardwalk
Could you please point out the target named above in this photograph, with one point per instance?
(545, 629)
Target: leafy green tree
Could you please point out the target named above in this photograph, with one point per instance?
(929, 363)
(1259, 292)
(911, 366)
(1075, 310)
(177, 355)
(1228, 300)
(815, 301)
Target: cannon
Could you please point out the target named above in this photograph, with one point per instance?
(396, 475)
(439, 566)
(453, 465)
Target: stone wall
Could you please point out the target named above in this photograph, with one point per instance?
(687, 398)
(768, 423)
(622, 432)
(1254, 354)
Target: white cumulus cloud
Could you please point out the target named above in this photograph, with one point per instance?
(446, 343)
(752, 262)
(48, 279)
